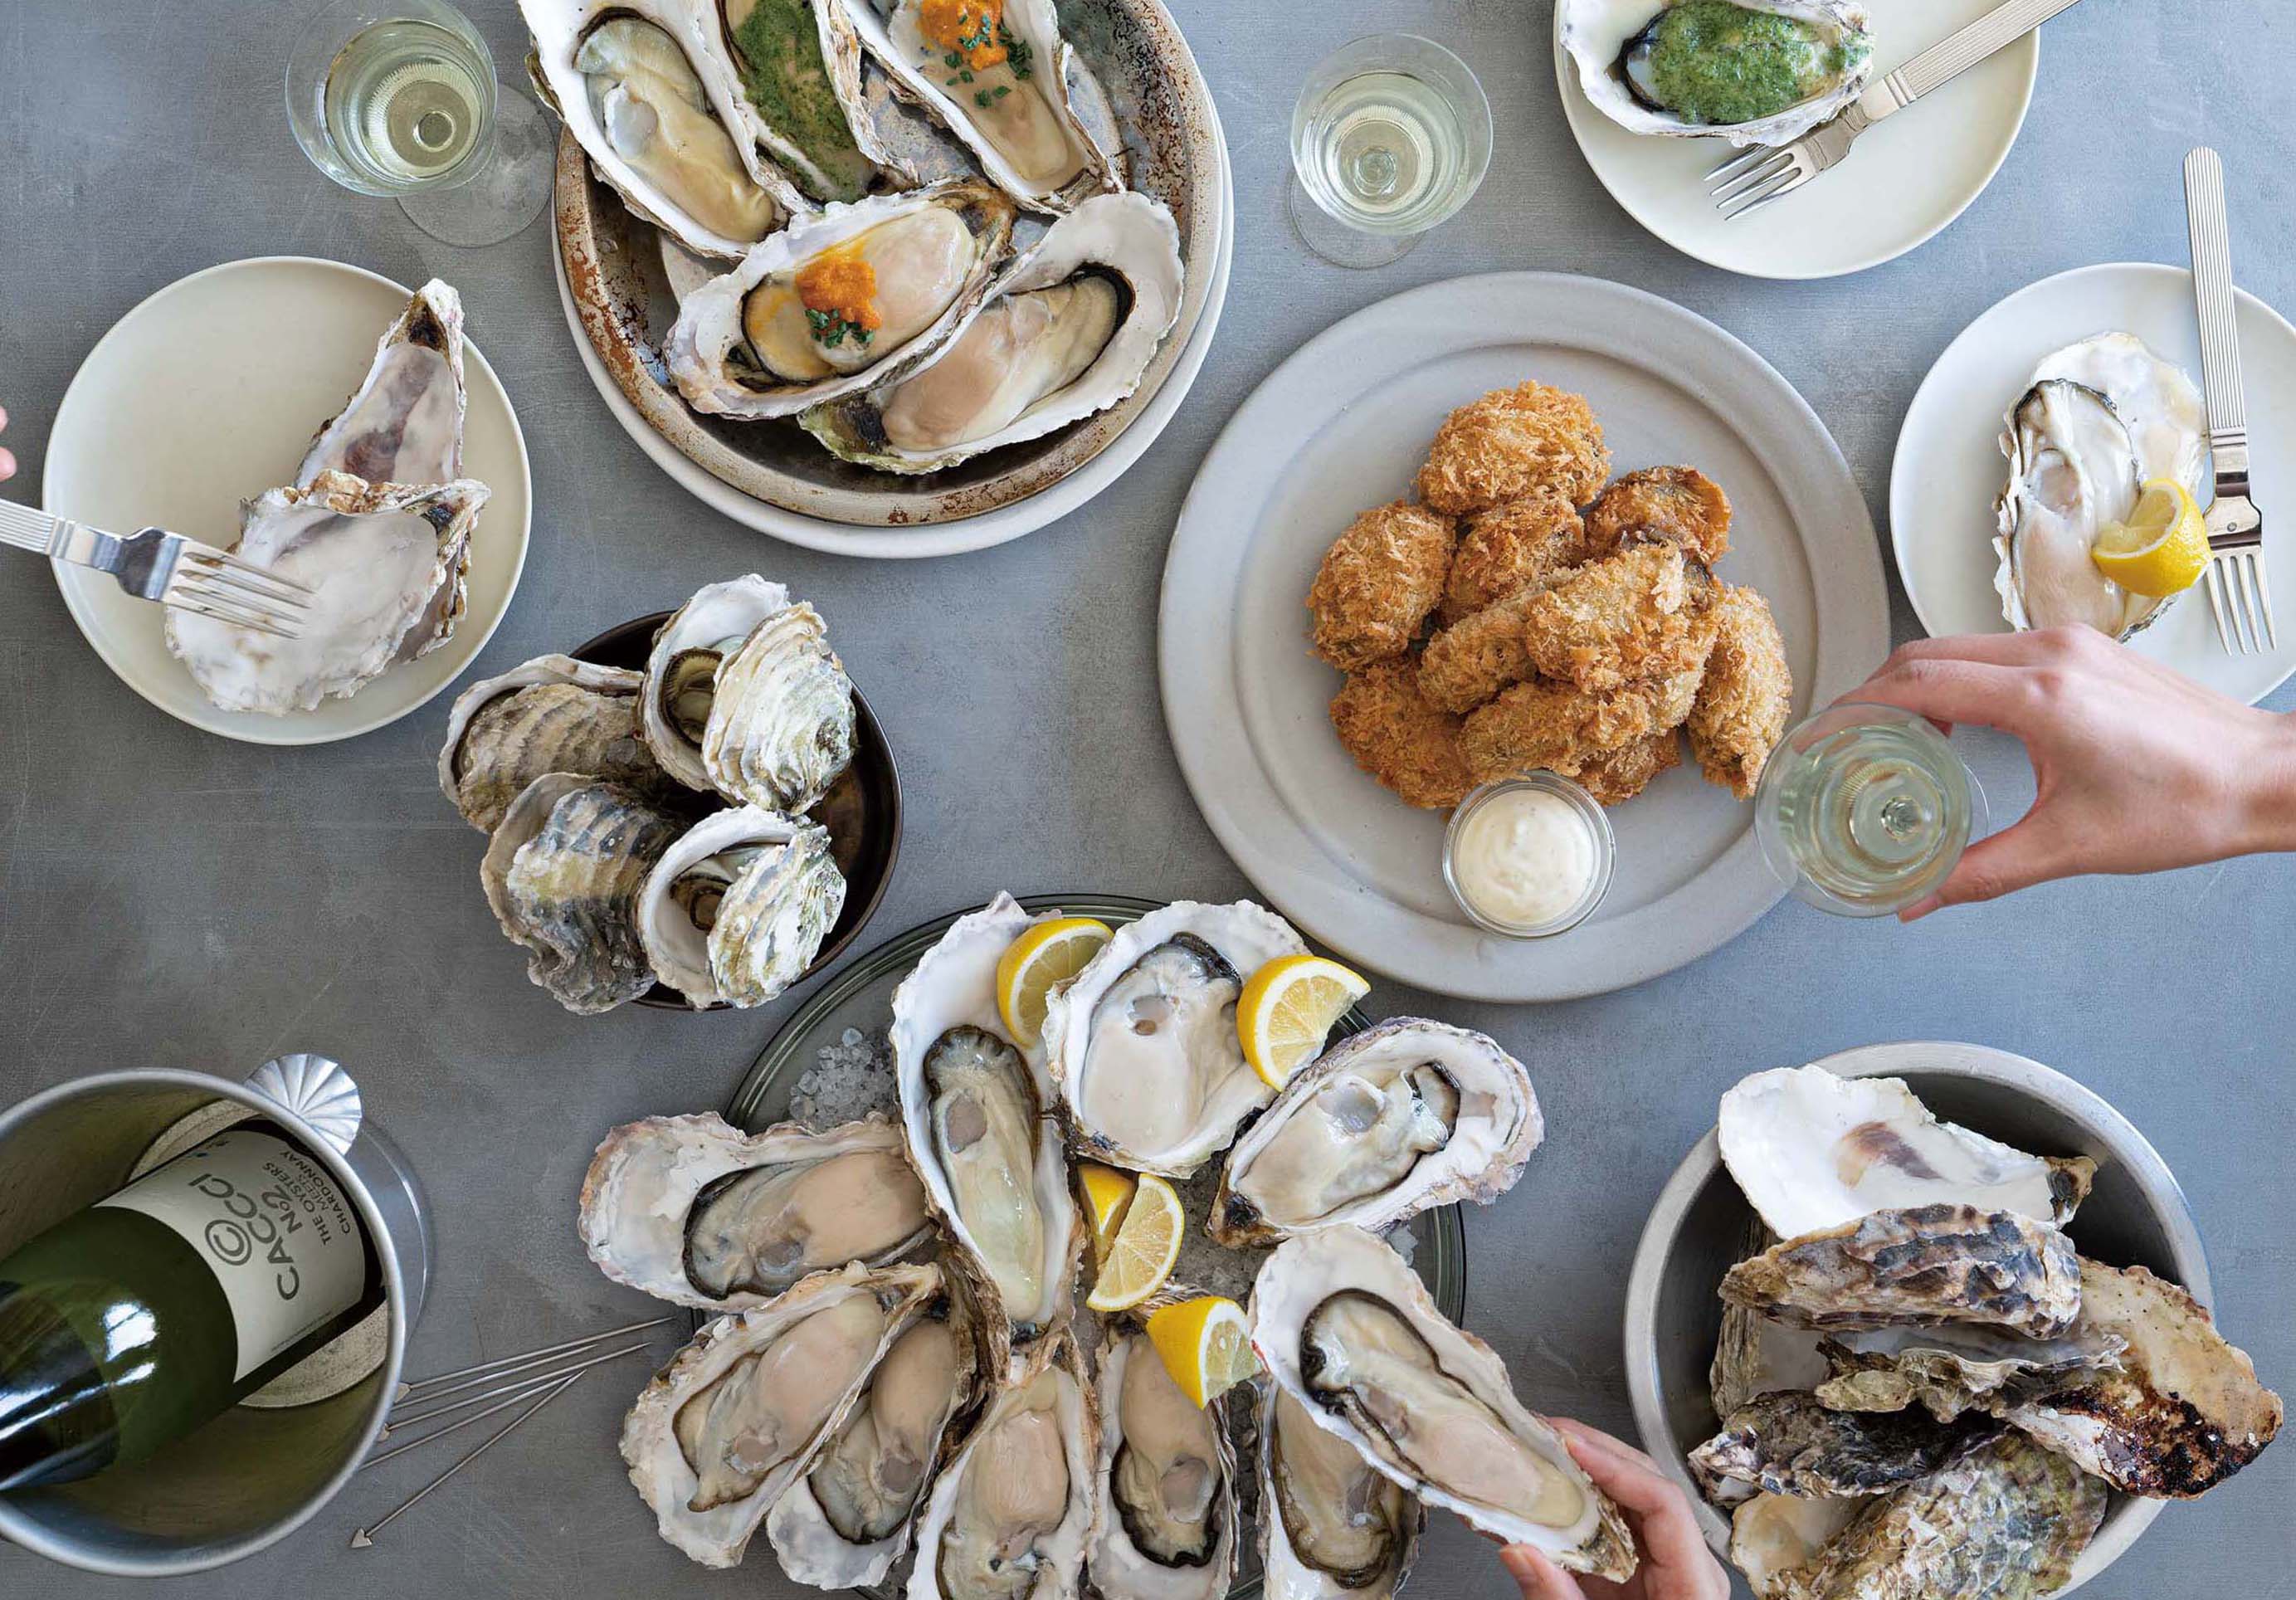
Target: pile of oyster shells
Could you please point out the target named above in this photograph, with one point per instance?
(589, 782)
(1924, 1389)
(960, 1411)
(967, 345)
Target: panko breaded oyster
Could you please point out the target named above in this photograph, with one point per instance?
(1678, 505)
(1744, 704)
(1379, 582)
(1616, 777)
(1562, 728)
(1467, 663)
(1513, 442)
(1619, 620)
(1400, 739)
(1527, 543)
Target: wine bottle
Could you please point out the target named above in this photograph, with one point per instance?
(127, 1326)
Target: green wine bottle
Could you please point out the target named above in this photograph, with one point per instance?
(127, 1326)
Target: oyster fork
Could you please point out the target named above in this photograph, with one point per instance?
(155, 564)
(2240, 588)
(1752, 178)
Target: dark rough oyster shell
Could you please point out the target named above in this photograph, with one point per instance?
(1786, 1443)
(1949, 1370)
(1918, 1267)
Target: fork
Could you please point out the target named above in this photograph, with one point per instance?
(2240, 589)
(1752, 178)
(155, 564)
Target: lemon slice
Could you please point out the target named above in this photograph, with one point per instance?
(1147, 1243)
(2163, 547)
(1034, 964)
(1107, 1196)
(1287, 1008)
(1206, 1345)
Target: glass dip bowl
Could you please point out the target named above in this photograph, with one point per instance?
(1589, 811)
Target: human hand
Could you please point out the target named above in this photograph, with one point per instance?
(1676, 1564)
(2136, 768)
(7, 460)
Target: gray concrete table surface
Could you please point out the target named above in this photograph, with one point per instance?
(168, 898)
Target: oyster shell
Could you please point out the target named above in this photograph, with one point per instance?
(550, 714)
(1787, 1443)
(1345, 1328)
(1952, 1369)
(737, 1416)
(1919, 1266)
(1164, 1509)
(562, 872)
(1008, 102)
(1331, 1526)
(1068, 331)
(1142, 1041)
(1813, 1150)
(808, 50)
(975, 1116)
(2180, 1413)
(737, 908)
(781, 715)
(1407, 1115)
(404, 423)
(1774, 1538)
(681, 672)
(786, 329)
(377, 557)
(1609, 43)
(646, 89)
(694, 1212)
(1011, 1515)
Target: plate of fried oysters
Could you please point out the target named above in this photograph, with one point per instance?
(1516, 522)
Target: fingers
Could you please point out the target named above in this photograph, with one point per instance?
(1595, 1439)
(1668, 1529)
(1952, 691)
(2015, 858)
(1538, 1577)
(7, 457)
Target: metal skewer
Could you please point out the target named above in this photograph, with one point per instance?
(364, 1540)
(508, 1394)
(503, 1365)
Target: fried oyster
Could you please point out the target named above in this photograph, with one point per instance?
(1543, 723)
(1676, 505)
(1743, 707)
(1619, 620)
(1398, 736)
(1513, 442)
(1527, 543)
(1616, 777)
(1378, 584)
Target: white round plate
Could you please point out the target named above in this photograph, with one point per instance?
(933, 539)
(1906, 180)
(207, 394)
(1342, 425)
(1949, 466)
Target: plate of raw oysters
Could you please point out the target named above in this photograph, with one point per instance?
(883, 263)
(1893, 1353)
(912, 1228)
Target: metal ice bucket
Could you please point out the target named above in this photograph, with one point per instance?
(265, 1467)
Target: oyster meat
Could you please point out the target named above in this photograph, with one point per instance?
(725, 1430)
(837, 301)
(1787, 1443)
(404, 423)
(781, 715)
(1143, 1041)
(1954, 1368)
(1331, 1526)
(736, 911)
(693, 1211)
(1345, 1328)
(550, 714)
(1069, 329)
(799, 68)
(1164, 1511)
(1763, 72)
(1923, 1266)
(1406, 1115)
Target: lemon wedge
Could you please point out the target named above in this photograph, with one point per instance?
(2163, 547)
(1039, 961)
(1147, 1243)
(1206, 1345)
(1288, 1006)
(1107, 1196)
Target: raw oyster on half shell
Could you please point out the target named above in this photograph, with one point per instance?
(1926, 1265)
(1332, 1526)
(694, 1212)
(1407, 1115)
(1164, 1523)
(736, 911)
(550, 714)
(1630, 54)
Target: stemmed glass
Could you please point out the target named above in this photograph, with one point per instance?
(397, 97)
(1391, 134)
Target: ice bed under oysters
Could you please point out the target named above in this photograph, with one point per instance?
(965, 1426)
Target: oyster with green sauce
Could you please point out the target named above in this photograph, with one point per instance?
(798, 65)
(1764, 72)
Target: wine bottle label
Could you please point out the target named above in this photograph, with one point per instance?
(270, 1222)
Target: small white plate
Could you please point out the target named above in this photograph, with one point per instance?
(1342, 425)
(1905, 181)
(208, 393)
(1949, 466)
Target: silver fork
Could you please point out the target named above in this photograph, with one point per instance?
(1753, 179)
(155, 564)
(2240, 588)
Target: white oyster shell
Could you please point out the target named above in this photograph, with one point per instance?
(1177, 1086)
(778, 895)
(585, 721)
(404, 423)
(1465, 1394)
(781, 719)
(1380, 1522)
(1773, 1538)
(1189, 1446)
(1595, 31)
(639, 1196)
(1349, 1143)
(714, 621)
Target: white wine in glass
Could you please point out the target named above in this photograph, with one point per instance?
(1390, 137)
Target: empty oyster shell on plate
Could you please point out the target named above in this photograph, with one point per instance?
(1763, 72)
(735, 910)
(550, 714)
(1332, 1526)
(1164, 1523)
(404, 423)
(694, 1212)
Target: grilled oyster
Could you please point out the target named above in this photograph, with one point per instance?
(1763, 72)
(550, 714)
(1787, 1443)
(1954, 1368)
(1331, 1527)
(1407, 1115)
(1164, 1516)
(694, 1212)
(978, 1129)
(1346, 1329)
(837, 301)
(1923, 1266)
(1144, 1042)
(737, 908)
(799, 70)
(725, 1430)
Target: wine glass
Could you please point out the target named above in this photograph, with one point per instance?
(1391, 134)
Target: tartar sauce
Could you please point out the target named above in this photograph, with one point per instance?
(1524, 857)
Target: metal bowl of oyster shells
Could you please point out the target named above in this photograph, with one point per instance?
(2136, 1215)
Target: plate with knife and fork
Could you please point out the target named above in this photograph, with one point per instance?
(2026, 458)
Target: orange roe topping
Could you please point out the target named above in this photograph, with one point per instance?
(840, 281)
(967, 27)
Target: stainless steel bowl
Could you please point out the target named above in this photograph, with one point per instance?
(2135, 1216)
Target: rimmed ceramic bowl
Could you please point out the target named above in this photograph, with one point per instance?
(2135, 1215)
